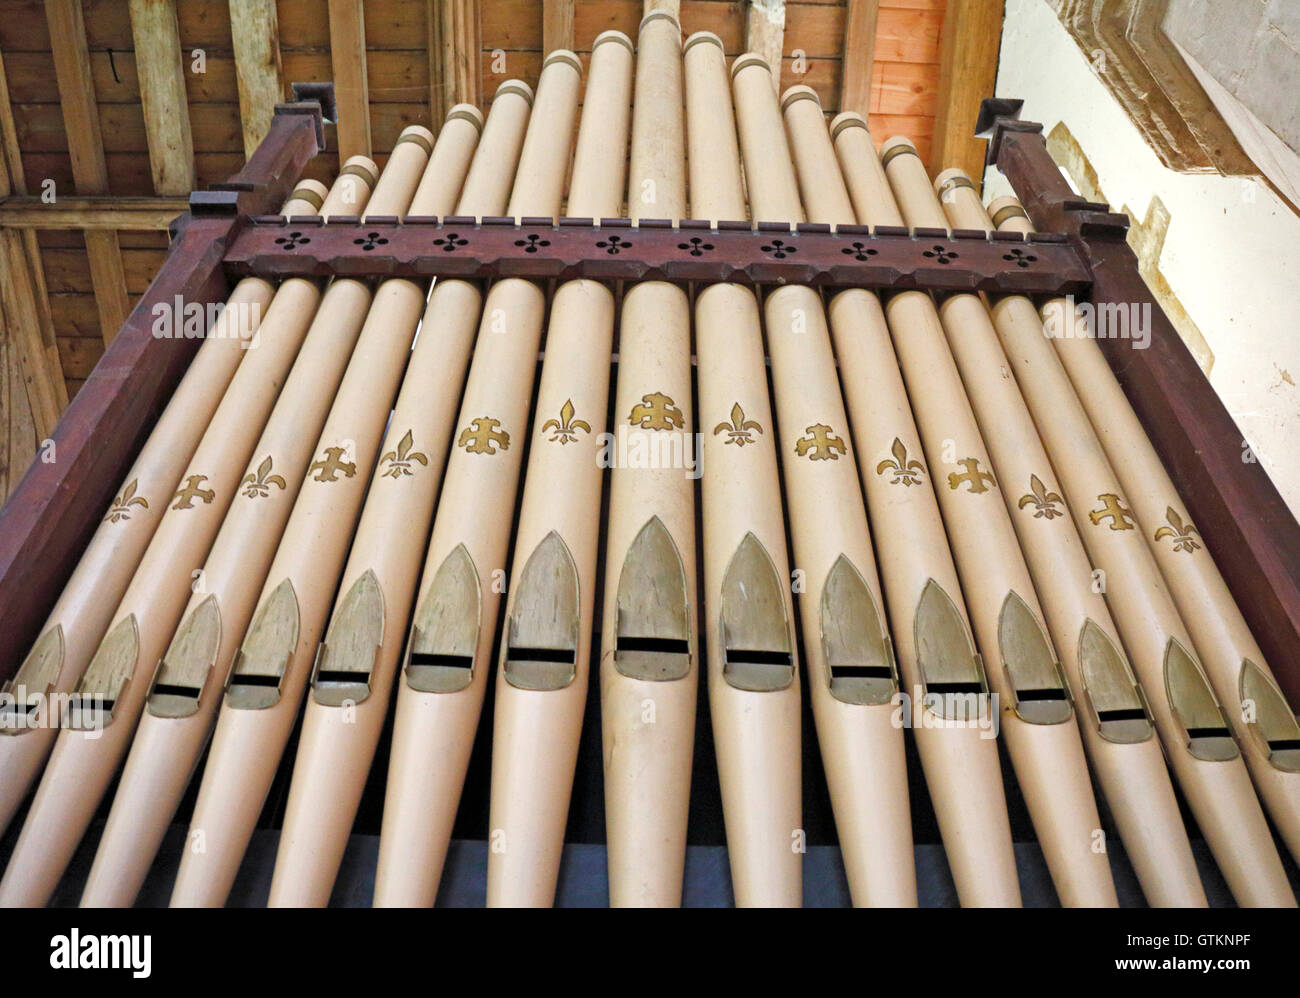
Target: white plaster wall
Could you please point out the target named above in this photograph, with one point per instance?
(1232, 254)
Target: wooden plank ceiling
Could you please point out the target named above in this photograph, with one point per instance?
(94, 90)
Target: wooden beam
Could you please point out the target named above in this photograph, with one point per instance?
(129, 214)
(161, 71)
(557, 25)
(46, 394)
(254, 31)
(437, 83)
(351, 86)
(859, 55)
(86, 150)
(461, 48)
(765, 34)
(968, 68)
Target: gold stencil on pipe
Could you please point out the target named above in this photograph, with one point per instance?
(1195, 707)
(859, 655)
(820, 444)
(347, 655)
(972, 476)
(399, 461)
(444, 638)
(757, 650)
(191, 490)
(1112, 511)
(1044, 501)
(483, 436)
(652, 633)
(1032, 670)
(121, 507)
(184, 668)
(257, 484)
(905, 470)
(541, 650)
(656, 411)
(951, 670)
(566, 427)
(1183, 533)
(1111, 691)
(109, 671)
(32, 682)
(740, 431)
(254, 682)
(1269, 718)
(331, 465)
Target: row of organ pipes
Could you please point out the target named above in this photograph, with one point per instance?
(263, 555)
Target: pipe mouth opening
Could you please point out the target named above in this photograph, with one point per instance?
(848, 119)
(613, 35)
(702, 36)
(747, 60)
(800, 91)
(518, 87)
(466, 112)
(565, 56)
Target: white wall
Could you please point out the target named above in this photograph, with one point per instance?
(1232, 254)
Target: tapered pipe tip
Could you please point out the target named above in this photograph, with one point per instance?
(659, 15)
(613, 36)
(418, 131)
(747, 60)
(800, 91)
(848, 119)
(564, 56)
(365, 166)
(954, 176)
(518, 87)
(899, 145)
(309, 188)
(703, 36)
(467, 112)
(1000, 209)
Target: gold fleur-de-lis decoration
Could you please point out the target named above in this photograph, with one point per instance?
(739, 429)
(121, 508)
(905, 472)
(399, 461)
(257, 484)
(820, 444)
(656, 411)
(1181, 532)
(566, 427)
(1044, 501)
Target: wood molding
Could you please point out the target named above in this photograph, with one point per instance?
(255, 34)
(859, 55)
(968, 68)
(160, 68)
(461, 49)
(46, 393)
(351, 83)
(126, 214)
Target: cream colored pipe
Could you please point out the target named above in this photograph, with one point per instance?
(438, 705)
(825, 197)
(541, 689)
(186, 692)
(305, 199)
(350, 192)
(402, 173)
(600, 157)
(1116, 727)
(773, 192)
(492, 171)
(960, 763)
(753, 668)
(440, 695)
(30, 721)
(1037, 719)
(649, 646)
(443, 178)
(1255, 707)
(909, 185)
(254, 723)
(717, 191)
(111, 691)
(931, 632)
(873, 203)
(1207, 765)
(353, 677)
(851, 673)
(657, 170)
(270, 672)
(544, 160)
(749, 628)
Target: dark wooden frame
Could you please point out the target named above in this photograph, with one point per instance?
(1080, 248)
